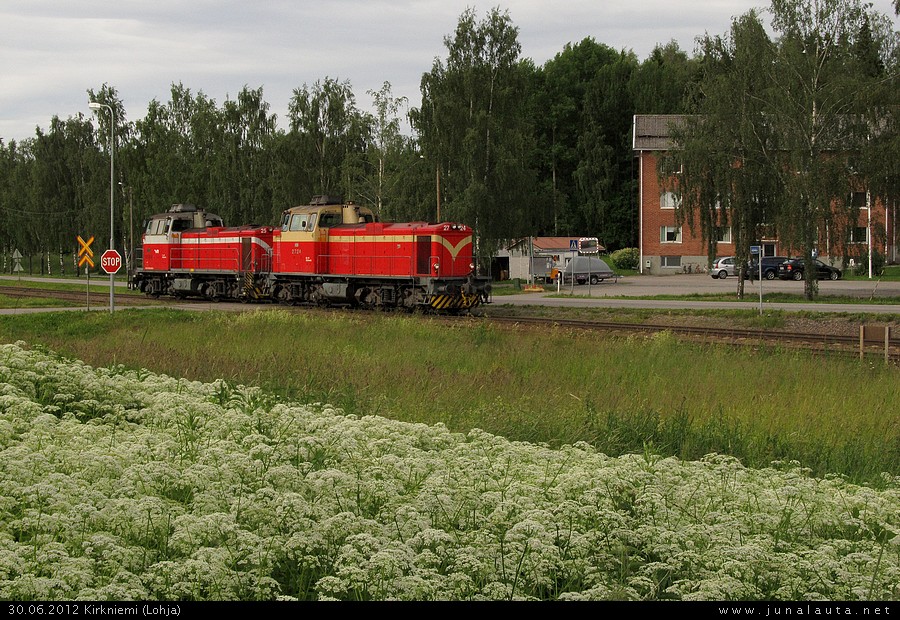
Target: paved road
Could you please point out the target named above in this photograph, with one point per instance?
(625, 293)
(622, 294)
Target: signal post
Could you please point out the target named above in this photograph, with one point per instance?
(111, 262)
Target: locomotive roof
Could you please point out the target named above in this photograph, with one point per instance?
(328, 202)
(187, 209)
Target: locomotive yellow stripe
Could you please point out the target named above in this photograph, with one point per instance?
(454, 250)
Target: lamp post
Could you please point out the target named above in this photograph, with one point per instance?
(437, 189)
(112, 241)
(869, 229)
(129, 191)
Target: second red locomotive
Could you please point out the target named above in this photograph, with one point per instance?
(326, 252)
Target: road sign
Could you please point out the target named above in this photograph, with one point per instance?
(754, 249)
(85, 252)
(111, 261)
(589, 245)
(17, 258)
(573, 244)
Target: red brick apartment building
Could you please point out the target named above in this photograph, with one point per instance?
(667, 248)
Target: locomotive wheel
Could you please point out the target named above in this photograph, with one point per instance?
(209, 292)
(283, 295)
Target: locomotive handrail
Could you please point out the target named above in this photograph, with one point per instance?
(228, 258)
(405, 268)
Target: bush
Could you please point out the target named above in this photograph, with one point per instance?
(626, 258)
(861, 264)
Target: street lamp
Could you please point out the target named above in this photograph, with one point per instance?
(112, 241)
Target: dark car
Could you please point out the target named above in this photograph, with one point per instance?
(769, 267)
(793, 270)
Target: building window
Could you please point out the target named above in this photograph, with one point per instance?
(859, 234)
(669, 200)
(670, 261)
(723, 234)
(858, 200)
(670, 234)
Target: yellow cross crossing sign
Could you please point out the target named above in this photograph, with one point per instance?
(85, 252)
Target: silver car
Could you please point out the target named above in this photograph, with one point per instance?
(723, 267)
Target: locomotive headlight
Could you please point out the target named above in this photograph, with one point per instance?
(472, 266)
(436, 267)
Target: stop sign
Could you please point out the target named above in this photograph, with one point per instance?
(111, 261)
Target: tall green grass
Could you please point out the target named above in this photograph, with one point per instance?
(834, 415)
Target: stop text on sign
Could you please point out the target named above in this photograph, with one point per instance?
(111, 261)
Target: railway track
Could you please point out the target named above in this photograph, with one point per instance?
(78, 298)
(817, 343)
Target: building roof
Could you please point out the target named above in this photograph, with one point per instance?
(551, 244)
(547, 244)
(652, 132)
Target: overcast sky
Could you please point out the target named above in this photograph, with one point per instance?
(53, 51)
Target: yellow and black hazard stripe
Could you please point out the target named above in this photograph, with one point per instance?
(453, 302)
(250, 289)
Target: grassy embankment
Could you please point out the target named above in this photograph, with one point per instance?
(621, 394)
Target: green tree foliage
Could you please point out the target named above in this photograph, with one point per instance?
(603, 176)
(660, 83)
(69, 184)
(585, 104)
(327, 130)
(723, 168)
(475, 129)
(500, 144)
(173, 152)
(243, 164)
(16, 163)
(877, 50)
(567, 78)
(390, 162)
(777, 127)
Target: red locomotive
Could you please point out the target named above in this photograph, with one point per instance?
(327, 252)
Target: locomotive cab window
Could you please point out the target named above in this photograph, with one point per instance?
(157, 226)
(330, 219)
(300, 222)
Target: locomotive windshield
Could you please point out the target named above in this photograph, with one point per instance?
(299, 222)
(165, 223)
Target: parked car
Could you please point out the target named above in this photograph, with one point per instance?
(769, 267)
(588, 269)
(723, 267)
(793, 270)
